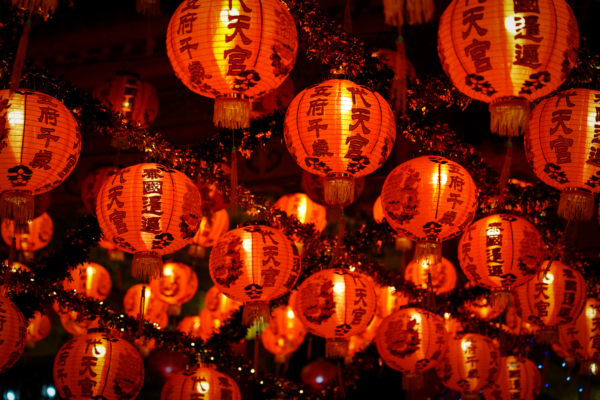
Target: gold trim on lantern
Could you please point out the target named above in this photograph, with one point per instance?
(147, 265)
(17, 206)
(336, 348)
(339, 189)
(428, 252)
(576, 204)
(509, 116)
(232, 110)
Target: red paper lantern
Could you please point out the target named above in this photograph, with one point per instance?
(91, 185)
(232, 52)
(13, 334)
(304, 209)
(98, 365)
(73, 324)
(40, 144)
(579, 338)
(443, 275)
(90, 279)
(192, 325)
(155, 310)
(562, 149)
(314, 187)
(36, 236)
(219, 305)
(253, 265)
(318, 374)
(314, 129)
(470, 365)
(284, 334)
(482, 309)
(38, 328)
(212, 227)
(429, 199)
(412, 340)
(336, 304)
(508, 53)
(126, 93)
(519, 378)
(278, 99)
(212, 198)
(177, 286)
(149, 210)
(388, 300)
(360, 342)
(201, 382)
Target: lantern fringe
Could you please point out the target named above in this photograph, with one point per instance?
(174, 310)
(339, 190)
(8, 273)
(232, 113)
(256, 311)
(416, 11)
(509, 117)
(32, 6)
(501, 299)
(197, 251)
(341, 383)
(116, 255)
(547, 336)
(146, 265)
(17, 206)
(428, 252)
(412, 381)
(336, 348)
(576, 205)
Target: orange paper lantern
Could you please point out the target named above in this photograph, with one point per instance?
(155, 310)
(360, 342)
(336, 304)
(212, 227)
(314, 187)
(98, 365)
(38, 328)
(13, 334)
(508, 53)
(388, 300)
(177, 286)
(219, 305)
(36, 236)
(304, 209)
(40, 144)
(73, 324)
(126, 93)
(278, 99)
(579, 338)
(201, 382)
(232, 52)
(500, 252)
(314, 129)
(378, 214)
(429, 199)
(149, 210)
(91, 185)
(562, 149)
(412, 340)
(284, 334)
(519, 378)
(482, 309)
(192, 325)
(90, 279)
(470, 365)
(253, 265)
(443, 275)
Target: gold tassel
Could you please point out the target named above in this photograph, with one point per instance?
(501, 299)
(339, 190)
(232, 112)
(148, 8)
(347, 18)
(412, 381)
(255, 312)
(336, 348)
(340, 240)
(419, 11)
(17, 206)
(140, 330)
(394, 12)
(340, 377)
(233, 198)
(428, 252)
(147, 265)
(576, 205)
(509, 117)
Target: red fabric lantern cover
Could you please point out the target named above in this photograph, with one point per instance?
(149, 210)
(91, 185)
(98, 364)
(177, 286)
(126, 93)
(201, 382)
(13, 334)
(212, 227)
(579, 337)
(429, 199)
(443, 275)
(508, 53)
(278, 99)
(336, 304)
(470, 365)
(38, 328)
(254, 265)
(562, 149)
(40, 145)
(90, 279)
(35, 237)
(342, 131)
(232, 52)
(284, 334)
(155, 310)
(519, 378)
(314, 187)
(304, 209)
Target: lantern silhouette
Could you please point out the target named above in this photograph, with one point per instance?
(40, 145)
(412, 340)
(579, 338)
(91, 185)
(314, 187)
(336, 304)
(429, 199)
(339, 130)
(284, 334)
(562, 149)
(459, 371)
(212, 198)
(443, 275)
(232, 53)
(212, 227)
(38, 329)
(508, 54)
(201, 381)
(155, 310)
(519, 378)
(90, 279)
(388, 300)
(149, 210)
(500, 252)
(219, 305)
(304, 209)
(37, 234)
(177, 286)
(126, 93)
(75, 325)
(98, 365)
(253, 265)
(114, 254)
(318, 374)
(278, 99)
(13, 335)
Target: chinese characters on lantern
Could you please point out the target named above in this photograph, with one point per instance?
(360, 115)
(61, 358)
(152, 191)
(594, 155)
(117, 217)
(560, 144)
(527, 31)
(477, 49)
(317, 103)
(295, 269)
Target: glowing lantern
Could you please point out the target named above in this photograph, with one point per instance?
(98, 365)
(212, 227)
(149, 210)
(155, 310)
(36, 236)
(198, 382)
(388, 300)
(192, 325)
(114, 254)
(209, 324)
(429, 199)
(482, 309)
(253, 265)
(458, 372)
(318, 374)
(500, 252)
(38, 329)
(13, 334)
(314, 129)
(302, 207)
(579, 337)
(278, 99)
(220, 306)
(177, 286)
(74, 324)
(16, 266)
(212, 198)
(232, 52)
(90, 279)
(403, 244)
(128, 94)
(284, 334)
(314, 187)
(562, 149)
(443, 275)
(91, 185)
(421, 347)
(40, 145)
(507, 54)
(336, 304)
(519, 378)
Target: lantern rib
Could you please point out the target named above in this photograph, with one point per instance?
(437, 207)
(24, 125)
(512, 245)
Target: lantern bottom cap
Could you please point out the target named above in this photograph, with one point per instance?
(147, 265)
(547, 336)
(232, 112)
(256, 311)
(16, 206)
(576, 205)
(197, 251)
(509, 117)
(500, 299)
(412, 381)
(428, 252)
(174, 310)
(336, 348)
(339, 190)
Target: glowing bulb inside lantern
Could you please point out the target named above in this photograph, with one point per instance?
(493, 231)
(319, 379)
(168, 271)
(226, 13)
(89, 280)
(511, 25)
(465, 344)
(446, 315)
(196, 325)
(417, 318)
(301, 207)
(99, 351)
(346, 104)
(202, 387)
(16, 117)
(590, 312)
(391, 289)
(435, 179)
(593, 368)
(549, 278)
(280, 342)
(339, 287)
(290, 314)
